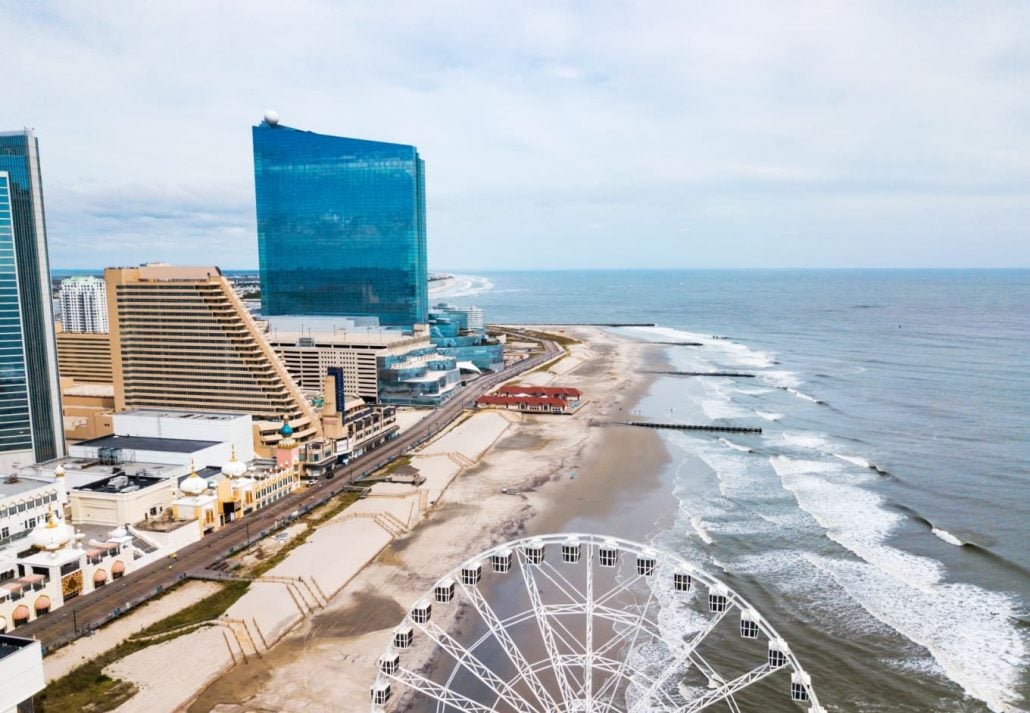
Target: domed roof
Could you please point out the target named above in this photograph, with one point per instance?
(193, 485)
(53, 535)
(234, 468)
(118, 532)
(287, 430)
(59, 471)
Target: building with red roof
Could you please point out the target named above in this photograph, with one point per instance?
(533, 399)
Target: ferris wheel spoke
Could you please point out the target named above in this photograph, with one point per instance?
(560, 581)
(467, 660)
(546, 632)
(618, 588)
(608, 697)
(450, 699)
(588, 649)
(511, 650)
(726, 691)
(683, 656)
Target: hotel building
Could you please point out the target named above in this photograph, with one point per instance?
(84, 356)
(84, 305)
(181, 339)
(30, 394)
(341, 226)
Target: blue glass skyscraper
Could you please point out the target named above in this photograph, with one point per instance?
(31, 427)
(341, 226)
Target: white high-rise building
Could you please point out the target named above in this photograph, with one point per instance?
(84, 305)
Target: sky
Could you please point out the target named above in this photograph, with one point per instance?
(555, 135)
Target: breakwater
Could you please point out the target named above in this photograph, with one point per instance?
(689, 427)
(734, 374)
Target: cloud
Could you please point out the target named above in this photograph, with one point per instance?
(554, 135)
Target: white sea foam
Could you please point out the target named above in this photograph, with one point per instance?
(812, 591)
(854, 518)
(735, 446)
(968, 630)
(736, 478)
(809, 440)
(947, 536)
(699, 528)
(780, 379)
(769, 415)
(753, 392)
(724, 351)
(854, 460)
(716, 409)
(803, 396)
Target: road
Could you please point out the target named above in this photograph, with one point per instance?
(93, 609)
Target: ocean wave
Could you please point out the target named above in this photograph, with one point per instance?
(459, 286)
(809, 440)
(854, 518)
(968, 630)
(769, 415)
(803, 396)
(861, 463)
(752, 392)
(715, 409)
(699, 528)
(735, 446)
(947, 536)
(780, 378)
(726, 350)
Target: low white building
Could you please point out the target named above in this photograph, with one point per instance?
(23, 505)
(21, 670)
(228, 429)
(121, 500)
(57, 566)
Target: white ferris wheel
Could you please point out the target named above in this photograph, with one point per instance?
(577, 623)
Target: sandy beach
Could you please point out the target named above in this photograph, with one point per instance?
(306, 636)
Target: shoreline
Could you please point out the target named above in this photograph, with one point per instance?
(502, 495)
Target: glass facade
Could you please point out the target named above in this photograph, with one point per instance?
(451, 334)
(15, 426)
(28, 355)
(341, 226)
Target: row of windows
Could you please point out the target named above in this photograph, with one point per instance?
(38, 502)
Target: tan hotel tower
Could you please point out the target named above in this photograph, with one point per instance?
(182, 339)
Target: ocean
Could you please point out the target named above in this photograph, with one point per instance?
(881, 518)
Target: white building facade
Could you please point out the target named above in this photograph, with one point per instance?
(84, 305)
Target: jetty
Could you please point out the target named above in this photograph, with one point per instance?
(734, 374)
(584, 324)
(689, 427)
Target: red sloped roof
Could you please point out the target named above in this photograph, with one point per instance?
(545, 391)
(506, 400)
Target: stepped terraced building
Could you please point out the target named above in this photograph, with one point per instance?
(182, 339)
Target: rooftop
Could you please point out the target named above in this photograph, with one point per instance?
(185, 415)
(121, 484)
(147, 443)
(89, 390)
(9, 487)
(13, 644)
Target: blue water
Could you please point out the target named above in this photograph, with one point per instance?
(883, 513)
